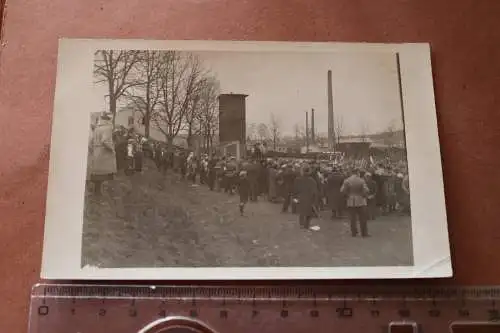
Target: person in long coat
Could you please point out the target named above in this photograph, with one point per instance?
(243, 190)
(406, 194)
(211, 173)
(183, 165)
(380, 179)
(121, 143)
(288, 177)
(158, 156)
(390, 192)
(307, 195)
(335, 197)
(139, 154)
(103, 154)
(263, 179)
(371, 198)
(253, 171)
(273, 178)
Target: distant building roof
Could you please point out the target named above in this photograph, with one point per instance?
(235, 95)
(355, 140)
(381, 145)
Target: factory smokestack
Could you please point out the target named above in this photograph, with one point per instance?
(307, 131)
(313, 131)
(331, 127)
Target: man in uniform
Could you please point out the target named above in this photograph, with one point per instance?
(357, 191)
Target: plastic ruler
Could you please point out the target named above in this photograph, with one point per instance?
(262, 309)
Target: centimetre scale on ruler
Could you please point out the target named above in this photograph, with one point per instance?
(58, 308)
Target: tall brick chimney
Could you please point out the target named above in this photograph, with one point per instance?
(313, 131)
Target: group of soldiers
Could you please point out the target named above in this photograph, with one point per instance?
(305, 187)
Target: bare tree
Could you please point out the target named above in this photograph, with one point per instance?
(113, 68)
(275, 130)
(208, 115)
(252, 131)
(145, 95)
(263, 132)
(179, 76)
(339, 128)
(192, 117)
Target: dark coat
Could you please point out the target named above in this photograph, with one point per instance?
(372, 193)
(289, 177)
(273, 182)
(253, 171)
(372, 187)
(211, 168)
(263, 179)
(307, 194)
(380, 197)
(333, 185)
(121, 152)
(243, 189)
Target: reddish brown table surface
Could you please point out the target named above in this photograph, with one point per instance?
(465, 38)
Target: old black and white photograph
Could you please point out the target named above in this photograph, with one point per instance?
(226, 160)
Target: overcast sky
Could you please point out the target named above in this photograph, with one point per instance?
(365, 87)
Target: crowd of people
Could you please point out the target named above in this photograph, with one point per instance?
(359, 189)
(362, 190)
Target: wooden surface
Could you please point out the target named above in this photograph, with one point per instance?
(465, 38)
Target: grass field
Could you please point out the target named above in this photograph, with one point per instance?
(151, 220)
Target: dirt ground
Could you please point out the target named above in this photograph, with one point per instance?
(151, 220)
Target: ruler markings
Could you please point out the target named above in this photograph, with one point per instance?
(432, 306)
(419, 293)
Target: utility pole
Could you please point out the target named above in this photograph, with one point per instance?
(331, 125)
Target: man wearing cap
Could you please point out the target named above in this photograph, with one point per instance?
(356, 190)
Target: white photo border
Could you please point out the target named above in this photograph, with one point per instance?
(74, 98)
